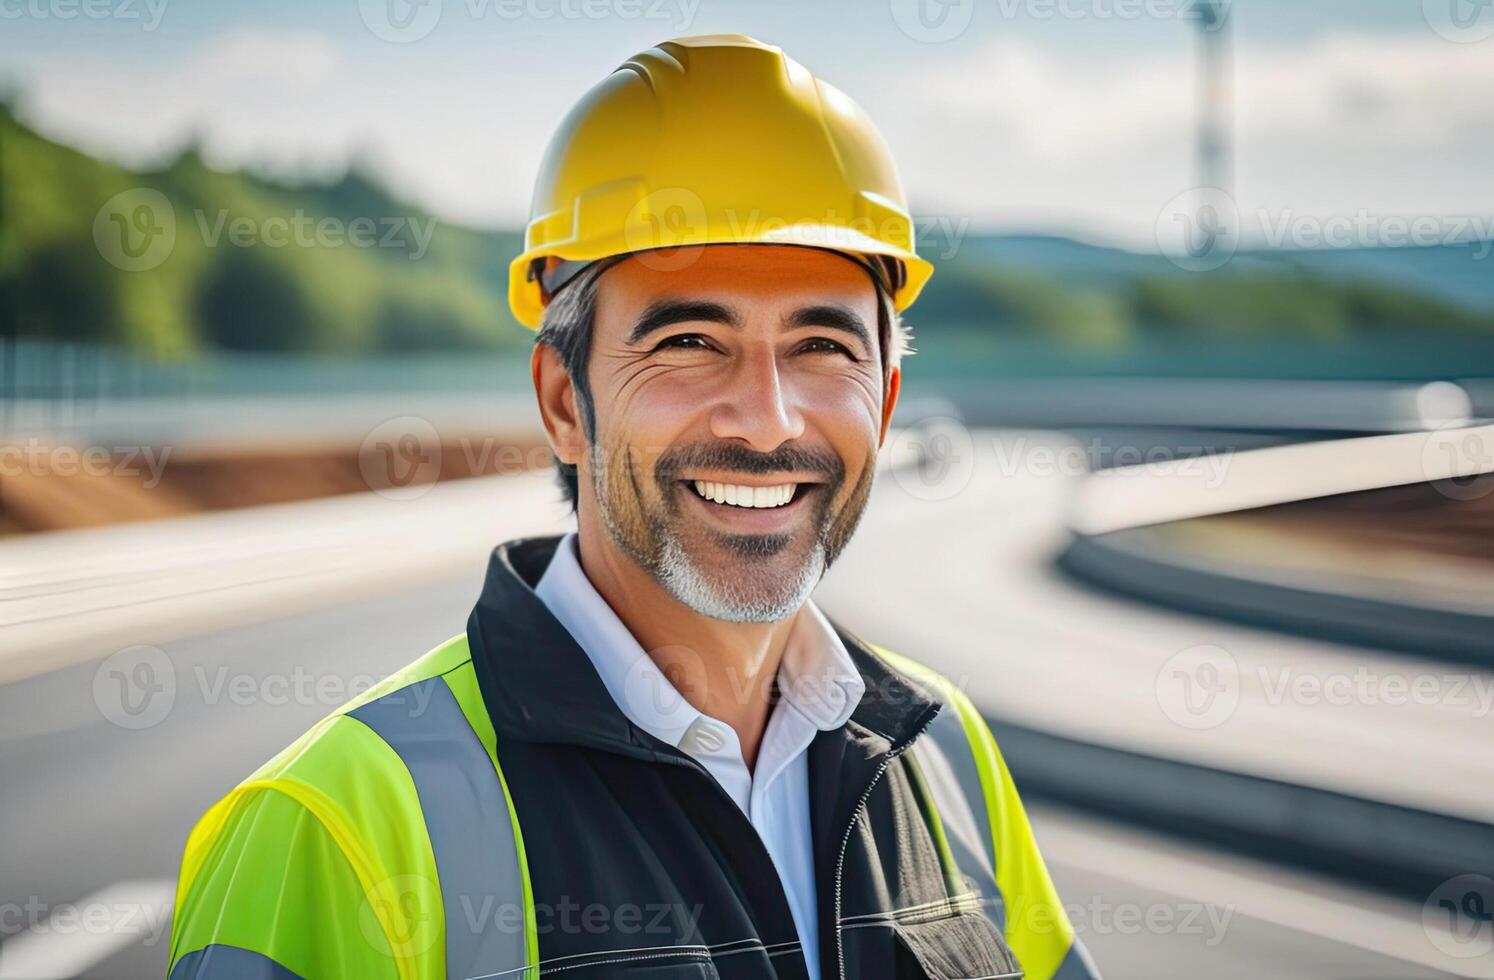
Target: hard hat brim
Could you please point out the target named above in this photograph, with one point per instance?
(528, 296)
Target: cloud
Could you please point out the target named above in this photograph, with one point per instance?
(241, 91)
(1025, 134)
(261, 58)
(459, 136)
(1014, 134)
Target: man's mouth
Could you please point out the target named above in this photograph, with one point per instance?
(742, 508)
(739, 495)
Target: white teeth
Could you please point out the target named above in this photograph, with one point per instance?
(740, 496)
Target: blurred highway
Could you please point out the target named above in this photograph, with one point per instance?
(91, 805)
(291, 610)
(1234, 274)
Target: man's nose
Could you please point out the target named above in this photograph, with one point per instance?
(758, 405)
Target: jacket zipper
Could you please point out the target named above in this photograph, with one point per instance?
(845, 841)
(682, 759)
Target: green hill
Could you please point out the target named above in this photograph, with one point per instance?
(238, 262)
(302, 275)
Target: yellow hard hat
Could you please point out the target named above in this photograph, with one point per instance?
(713, 140)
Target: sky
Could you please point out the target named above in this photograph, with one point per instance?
(1071, 117)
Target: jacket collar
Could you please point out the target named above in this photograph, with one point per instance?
(539, 685)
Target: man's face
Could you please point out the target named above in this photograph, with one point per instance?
(749, 373)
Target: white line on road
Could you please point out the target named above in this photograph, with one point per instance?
(82, 934)
(1175, 490)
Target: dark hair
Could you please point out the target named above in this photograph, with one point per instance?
(567, 328)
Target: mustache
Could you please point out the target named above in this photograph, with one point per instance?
(787, 458)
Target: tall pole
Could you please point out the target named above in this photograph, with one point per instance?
(1215, 116)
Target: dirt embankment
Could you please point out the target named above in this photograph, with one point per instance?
(1426, 541)
(44, 488)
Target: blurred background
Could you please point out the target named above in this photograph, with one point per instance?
(1192, 485)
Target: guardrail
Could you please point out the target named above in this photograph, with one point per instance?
(1395, 848)
(1389, 846)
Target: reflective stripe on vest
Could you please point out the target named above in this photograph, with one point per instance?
(952, 771)
(220, 962)
(949, 768)
(472, 829)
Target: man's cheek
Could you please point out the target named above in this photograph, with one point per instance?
(648, 451)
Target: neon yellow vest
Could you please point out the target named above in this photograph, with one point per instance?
(324, 863)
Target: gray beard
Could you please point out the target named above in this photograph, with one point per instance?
(683, 580)
(674, 570)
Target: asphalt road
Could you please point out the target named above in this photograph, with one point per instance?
(96, 799)
(96, 814)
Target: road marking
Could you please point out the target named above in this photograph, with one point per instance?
(79, 935)
(1318, 907)
(161, 580)
(1158, 493)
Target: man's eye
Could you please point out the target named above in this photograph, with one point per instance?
(684, 341)
(824, 345)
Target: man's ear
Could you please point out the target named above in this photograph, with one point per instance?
(889, 402)
(557, 404)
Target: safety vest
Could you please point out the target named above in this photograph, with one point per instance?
(385, 843)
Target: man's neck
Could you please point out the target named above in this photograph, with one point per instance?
(723, 669)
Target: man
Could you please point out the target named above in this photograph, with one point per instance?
(650, 755)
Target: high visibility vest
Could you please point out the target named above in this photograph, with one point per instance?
(344, 854)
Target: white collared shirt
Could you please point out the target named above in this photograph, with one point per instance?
(819, 687)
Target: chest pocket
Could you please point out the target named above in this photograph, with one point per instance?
(965, 946)
(957, 942)
(960, 937)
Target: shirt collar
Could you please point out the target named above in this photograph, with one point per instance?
(539, 686)
(817, 676)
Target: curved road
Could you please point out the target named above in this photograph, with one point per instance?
(95, 811)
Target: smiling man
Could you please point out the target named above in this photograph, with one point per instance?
(650, 754)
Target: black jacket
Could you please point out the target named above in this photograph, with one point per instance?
(489, 812)
(615, 819)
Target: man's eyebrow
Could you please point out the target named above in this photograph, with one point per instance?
(671, 311)
(835, 317)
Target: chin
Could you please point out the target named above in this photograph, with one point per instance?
(771, 588)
